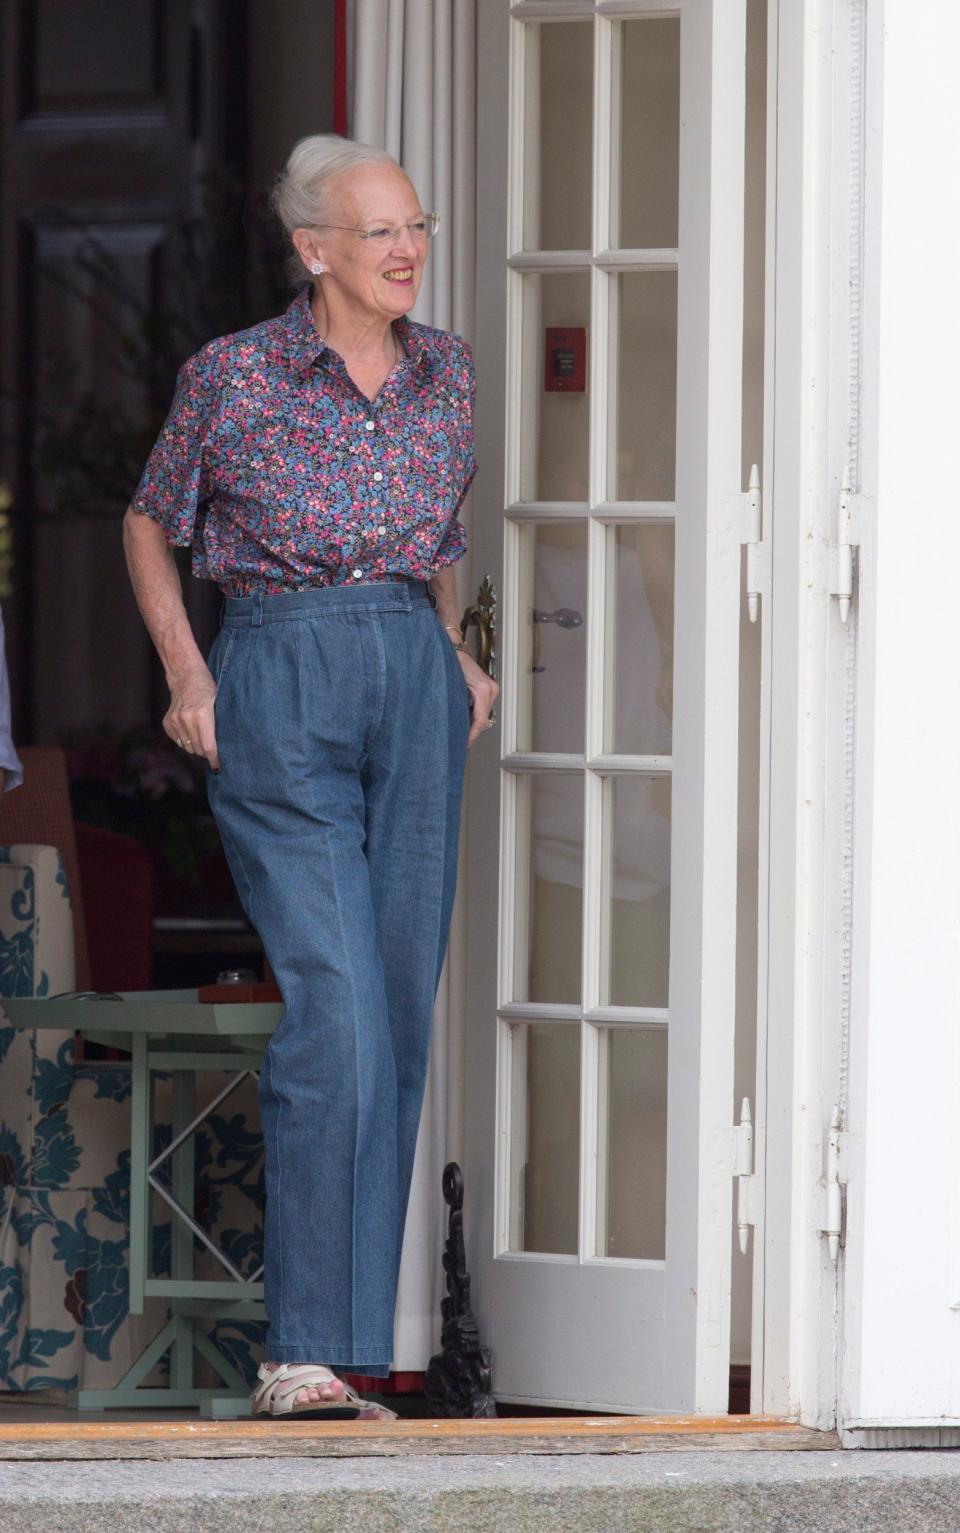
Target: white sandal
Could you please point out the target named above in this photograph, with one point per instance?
(369, 1410)
(278, 1389)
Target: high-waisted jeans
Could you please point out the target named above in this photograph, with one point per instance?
(342, 716)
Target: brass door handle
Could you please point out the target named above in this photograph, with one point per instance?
(482, 615)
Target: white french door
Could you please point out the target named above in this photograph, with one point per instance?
(602, 813)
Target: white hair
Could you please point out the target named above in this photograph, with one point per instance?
(300, 193)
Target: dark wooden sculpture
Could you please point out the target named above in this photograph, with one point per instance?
(459, 1377)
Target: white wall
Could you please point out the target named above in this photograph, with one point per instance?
(901, 1356)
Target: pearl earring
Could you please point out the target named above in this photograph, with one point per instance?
(317, 267)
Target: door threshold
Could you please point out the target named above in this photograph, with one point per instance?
(196, 1438)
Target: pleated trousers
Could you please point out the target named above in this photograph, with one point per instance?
(342, 716)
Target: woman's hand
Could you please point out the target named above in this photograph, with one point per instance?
(156, 585)
(189, 719)
(484, 692)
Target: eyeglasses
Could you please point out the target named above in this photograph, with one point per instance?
(422, 228)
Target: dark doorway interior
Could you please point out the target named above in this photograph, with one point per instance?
(137, 143)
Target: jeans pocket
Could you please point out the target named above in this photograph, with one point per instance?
(461, 677)
(220, 653)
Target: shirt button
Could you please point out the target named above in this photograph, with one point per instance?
(357, 574)
(378, 476)
(369, 425)
(381, 530)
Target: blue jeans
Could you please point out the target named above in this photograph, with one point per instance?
(342, 716)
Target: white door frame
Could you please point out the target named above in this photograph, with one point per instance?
(814, 204)
(806, 827)
(901, 1280)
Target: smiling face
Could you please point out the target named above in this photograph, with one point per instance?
(378, 277)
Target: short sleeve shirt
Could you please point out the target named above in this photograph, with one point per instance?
(283, 475)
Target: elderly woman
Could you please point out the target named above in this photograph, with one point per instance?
(316, 463)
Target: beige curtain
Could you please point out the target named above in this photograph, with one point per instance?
(412, 92)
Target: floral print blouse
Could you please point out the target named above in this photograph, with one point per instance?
(283, 475)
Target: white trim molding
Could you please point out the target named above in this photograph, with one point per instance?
(900, 1358)
(814, 320)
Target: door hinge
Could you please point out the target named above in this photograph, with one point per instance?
(743, 1171)
(746, 514)
(834, 1181)
(850, 519)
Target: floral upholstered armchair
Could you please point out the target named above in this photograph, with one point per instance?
(64, 1156)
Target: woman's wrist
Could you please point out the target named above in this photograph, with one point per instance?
(455, 628)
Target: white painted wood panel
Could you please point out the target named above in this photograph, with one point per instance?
(621, 1334)
(901, 1314)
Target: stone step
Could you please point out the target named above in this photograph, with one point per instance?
(650, 1492)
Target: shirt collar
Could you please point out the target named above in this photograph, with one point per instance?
(305, 344)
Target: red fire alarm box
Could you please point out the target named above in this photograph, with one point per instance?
(565, 368)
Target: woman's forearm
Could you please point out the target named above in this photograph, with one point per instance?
(189, 721)
(444, 587)
(156, 586)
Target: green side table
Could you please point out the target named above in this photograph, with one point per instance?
(171, 1030)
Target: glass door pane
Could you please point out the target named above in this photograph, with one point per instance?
(558, 140)
(549, 856)
(638, 709)
(632, 1163)
(554, 446)
(643, 382)
(545, 1137)
(636, 885)
(553, 636)
(644, 204)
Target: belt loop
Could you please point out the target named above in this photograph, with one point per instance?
(431, 595)
(257, 619)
